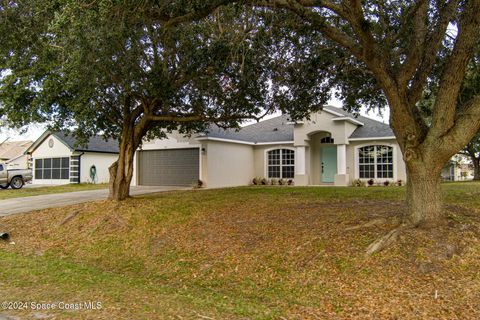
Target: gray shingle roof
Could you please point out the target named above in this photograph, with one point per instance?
(280, 129)
(272, 130)
(95, 144)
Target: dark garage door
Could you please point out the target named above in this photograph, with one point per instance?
(174, 167)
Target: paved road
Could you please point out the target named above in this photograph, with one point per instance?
(26, 204)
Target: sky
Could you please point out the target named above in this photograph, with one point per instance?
(34, 131)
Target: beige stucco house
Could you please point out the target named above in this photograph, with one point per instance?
(333, 147)
(58, 158)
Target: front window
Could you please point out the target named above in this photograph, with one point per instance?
(375, 162)
(52, 168)
(281, 163)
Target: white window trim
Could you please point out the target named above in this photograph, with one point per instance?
(394, 155)
(265, 158)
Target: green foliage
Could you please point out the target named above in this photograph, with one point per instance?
(358, 183)
(96, 66)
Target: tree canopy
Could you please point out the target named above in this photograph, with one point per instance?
(130, 69)
(401, 50)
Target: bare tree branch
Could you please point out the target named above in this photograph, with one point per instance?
(467, 123)
(417, 45)
(432, 47)
(455, 68)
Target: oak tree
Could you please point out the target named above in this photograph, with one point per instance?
(137, 69)
(402, 49)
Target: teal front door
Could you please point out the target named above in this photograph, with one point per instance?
(328, 158)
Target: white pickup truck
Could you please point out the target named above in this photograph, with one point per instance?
(14, 178)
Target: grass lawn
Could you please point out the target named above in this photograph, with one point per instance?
(27, 192)
(246, 253)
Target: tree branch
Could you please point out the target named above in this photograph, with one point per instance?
(194, 15)
(417, 44)
(432, 46)
(195, 118)
(319, 22)
(467, 123)
(455, 69)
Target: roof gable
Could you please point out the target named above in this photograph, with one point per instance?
(95, 143)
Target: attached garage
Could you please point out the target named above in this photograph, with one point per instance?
(169, 167)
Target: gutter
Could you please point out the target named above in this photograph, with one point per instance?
(242, 142)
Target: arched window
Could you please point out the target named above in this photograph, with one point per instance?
(281, 163)
(375, 162)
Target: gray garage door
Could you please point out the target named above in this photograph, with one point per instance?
(175, 167)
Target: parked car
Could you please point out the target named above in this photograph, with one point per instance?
(14, 178)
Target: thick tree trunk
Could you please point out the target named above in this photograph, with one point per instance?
(476, 168)
(121, 171)
(424, 195)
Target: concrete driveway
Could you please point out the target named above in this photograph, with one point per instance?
(26, 204)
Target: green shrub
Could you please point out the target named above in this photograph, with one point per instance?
(358, 183)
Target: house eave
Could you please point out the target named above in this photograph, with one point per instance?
(94, 151)
(242, 142)
(348, 120)
(372, 138)
(338, 114)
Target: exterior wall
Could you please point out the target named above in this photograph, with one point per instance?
(260, 161)
(308, 135)
(323, 121)
(229, 164)
(399, 170)
(173, 141)
(101, 161)
(59, 150)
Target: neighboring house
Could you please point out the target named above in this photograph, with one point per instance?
(12, 153)
(459, 168)
(332, 148)
(59, 159)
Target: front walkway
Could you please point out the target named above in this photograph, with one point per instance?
(26, 204)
